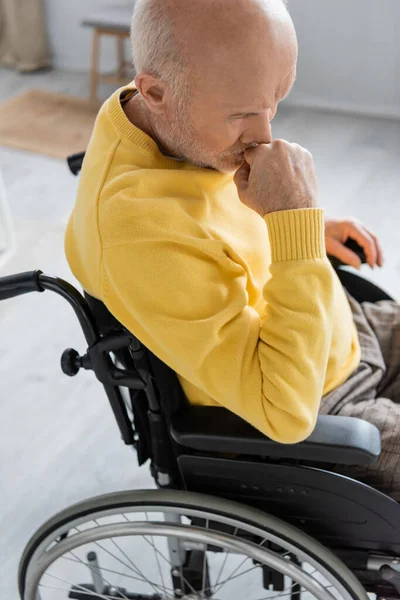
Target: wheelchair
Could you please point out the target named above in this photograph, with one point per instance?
(234, 514)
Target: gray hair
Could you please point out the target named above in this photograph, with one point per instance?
(155, 48)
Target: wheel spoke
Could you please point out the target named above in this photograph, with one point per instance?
(130, 566)
(111, 585)
(232, 577)
(285, 593)
(85, 590)
(183, 578)
(203, 582)
(156, 555)
(138, 571)
(119, 573)
(221, 569)
(114, 543)
(224, 562)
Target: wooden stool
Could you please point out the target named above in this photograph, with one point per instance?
(112, 21)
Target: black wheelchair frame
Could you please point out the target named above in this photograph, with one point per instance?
(212, 451)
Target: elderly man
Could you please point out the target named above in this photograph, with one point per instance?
(203, 235)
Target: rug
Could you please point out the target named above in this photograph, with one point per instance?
(56, 125)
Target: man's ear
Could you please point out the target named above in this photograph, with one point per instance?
(152, 91)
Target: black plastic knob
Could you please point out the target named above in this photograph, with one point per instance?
(70, 362)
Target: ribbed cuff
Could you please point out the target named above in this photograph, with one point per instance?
(296, 234)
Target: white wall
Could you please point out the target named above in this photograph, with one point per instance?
(349, 54)
(349, 50)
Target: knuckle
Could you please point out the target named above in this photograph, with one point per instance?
(306, 154)
(279, 144)
(298, 147)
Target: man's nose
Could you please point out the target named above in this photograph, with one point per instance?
(260, 130)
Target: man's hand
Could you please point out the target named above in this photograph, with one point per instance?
(277, 176)
(337, 232)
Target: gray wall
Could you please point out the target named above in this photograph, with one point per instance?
(349, 54)
(349, 50)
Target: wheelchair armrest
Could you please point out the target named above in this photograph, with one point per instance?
(335, 440)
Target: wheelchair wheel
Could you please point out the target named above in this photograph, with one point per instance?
(162, 544)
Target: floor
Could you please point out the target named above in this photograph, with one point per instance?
(58, 441)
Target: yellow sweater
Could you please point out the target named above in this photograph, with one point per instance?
(247, 310)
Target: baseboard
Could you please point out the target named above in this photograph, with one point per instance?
(381, 112)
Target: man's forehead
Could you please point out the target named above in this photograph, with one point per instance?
(255, 97)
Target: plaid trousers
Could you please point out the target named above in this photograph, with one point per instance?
(372, 392)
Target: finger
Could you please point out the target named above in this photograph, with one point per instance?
(379, 252)
(346, 256)
(251, 154)
(366, 241)
(241, 177)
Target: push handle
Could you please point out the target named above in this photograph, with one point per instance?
(75, 162)
(21, 283)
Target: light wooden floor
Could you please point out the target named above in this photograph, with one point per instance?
(58, 441)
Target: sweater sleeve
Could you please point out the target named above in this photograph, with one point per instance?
(186, 300)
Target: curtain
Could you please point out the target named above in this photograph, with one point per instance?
(23, 39)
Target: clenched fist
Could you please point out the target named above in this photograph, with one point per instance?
(277, 176)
